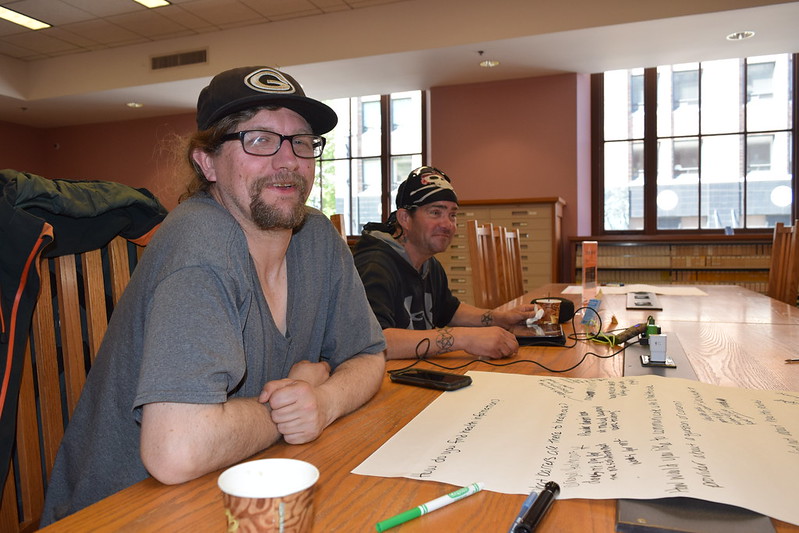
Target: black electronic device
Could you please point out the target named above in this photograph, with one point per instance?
(539, 335)
(687, 515)
(431, 379)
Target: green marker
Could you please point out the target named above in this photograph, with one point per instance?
(425, 508)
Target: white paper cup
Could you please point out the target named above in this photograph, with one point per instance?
(269, 495)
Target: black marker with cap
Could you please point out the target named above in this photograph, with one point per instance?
(536, 512)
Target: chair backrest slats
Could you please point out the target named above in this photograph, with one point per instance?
(501, 251)
(783, 283)
(496, 262)
(44, 340)
(777, 257)
(792, 282)
(120, 266)
(514, 264)
(94, 295)
(9, 517)
(73, 291)
(484, 264)
(338, 221)
(31, 481)
(70, 328)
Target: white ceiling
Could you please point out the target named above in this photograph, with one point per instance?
(96, 57)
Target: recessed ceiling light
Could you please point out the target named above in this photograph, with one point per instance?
(135, 105)
(22, 20)
(740, 35)
(152, 3)
(487, 63)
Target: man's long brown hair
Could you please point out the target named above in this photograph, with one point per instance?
(209, 141)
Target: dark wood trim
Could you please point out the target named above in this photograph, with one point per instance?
(425, 124)
(597, 152)
(385, 151)
(795, 135)
(650, 150)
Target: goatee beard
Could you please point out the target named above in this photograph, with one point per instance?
(268, 217)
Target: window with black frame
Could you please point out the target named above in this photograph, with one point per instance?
(698, 146)
(377, 142)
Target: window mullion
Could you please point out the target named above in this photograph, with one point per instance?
(385, 154)
(650, 150)
(598, 153)
(795, 134)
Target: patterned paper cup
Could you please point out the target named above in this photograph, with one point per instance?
(269, 495)
(551, 308)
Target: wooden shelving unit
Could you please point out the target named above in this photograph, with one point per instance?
(539, 224)
(729, 260)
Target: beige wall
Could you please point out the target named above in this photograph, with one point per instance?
(21, 148)
(526, 138)
(139, 153)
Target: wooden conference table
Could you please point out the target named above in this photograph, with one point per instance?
(732, 337)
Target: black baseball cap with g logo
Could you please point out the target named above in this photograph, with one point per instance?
(245, 87)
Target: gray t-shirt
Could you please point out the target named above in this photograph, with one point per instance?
(193, 326)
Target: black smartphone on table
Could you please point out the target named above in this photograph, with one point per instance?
(431, 379)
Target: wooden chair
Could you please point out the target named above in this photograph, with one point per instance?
(69, 321)
(484, 265)
(500, 248)
(338, 221)
(513, 263)
(783, 281)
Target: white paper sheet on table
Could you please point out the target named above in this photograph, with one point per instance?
(633, 437)
(675, 290)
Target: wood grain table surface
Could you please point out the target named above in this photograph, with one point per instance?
(732, 337)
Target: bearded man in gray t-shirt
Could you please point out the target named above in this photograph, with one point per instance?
(245, 320)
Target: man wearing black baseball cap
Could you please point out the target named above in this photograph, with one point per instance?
(231, 333)
(407, 286)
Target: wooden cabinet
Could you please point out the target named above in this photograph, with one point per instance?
(732, 260)
(539, 224)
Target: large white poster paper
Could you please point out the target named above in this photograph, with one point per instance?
(634, 437)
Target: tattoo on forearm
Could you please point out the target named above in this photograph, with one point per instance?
(488, 318)
(445, 340)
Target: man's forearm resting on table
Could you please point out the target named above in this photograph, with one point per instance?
(471, 316)
(472, 330)
(182, 441)
(353, 383)
(411, 343)
(468, 315)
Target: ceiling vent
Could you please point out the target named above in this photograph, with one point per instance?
(179, 60)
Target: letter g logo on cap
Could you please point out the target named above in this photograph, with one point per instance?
(267, 80)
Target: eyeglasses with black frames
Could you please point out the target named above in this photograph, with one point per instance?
(262, 142)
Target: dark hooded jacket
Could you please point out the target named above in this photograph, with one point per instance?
(400, 296)
(39, 216)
